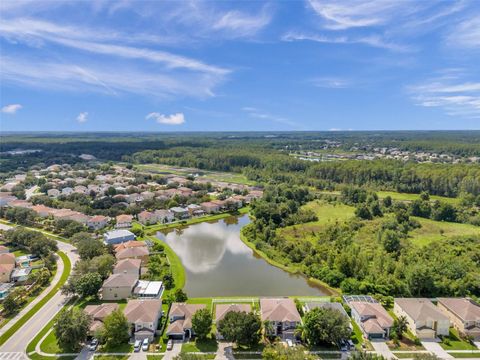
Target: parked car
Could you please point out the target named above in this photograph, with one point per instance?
(145, 344)
(169, 344)
(137, 346)
(93, 345)
(350, 343)
(289, 343)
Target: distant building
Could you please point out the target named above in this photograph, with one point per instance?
(98, 222)
(124, 221)
(463, 313)
(118, 236)
(180, 213)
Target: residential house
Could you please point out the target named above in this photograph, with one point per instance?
(195, 210)
(21, 274)
(98, 222)
(6, 197)
(309, 306)
(128, 266)
(464, 314)
(4, 249)
(119, 286)
(210, 207)
(5, 290)
(425, 320)
(223, 309)
(129, 244)
(139, 252)
(148, 289)
(7, 258)
(143, 316)
(372, 318)
(118, 236)
(180, 317)
(147, 218)
(282, 315)
(42, 210)
(67, 191)
(98, 314)
(124, 221)
(179, 212)
(164, 216)
(6, 272)
(54, 193)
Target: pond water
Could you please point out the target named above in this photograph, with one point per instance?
(218, 263)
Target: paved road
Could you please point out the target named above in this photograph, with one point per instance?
(381, 348)
(436, 349)
(19, 341)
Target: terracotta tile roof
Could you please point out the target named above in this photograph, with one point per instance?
(373, 311)
(222, 309)
(143, 310)
(100, 312)
(129, 244)
(8, 258)
(132, 252)
(281, 309)
(121, 280)
(465, 309)
(420, 309)
(126, 265)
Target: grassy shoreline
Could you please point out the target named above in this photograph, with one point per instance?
(152, 229)
(332, 291)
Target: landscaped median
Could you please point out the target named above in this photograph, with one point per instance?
(63, 278)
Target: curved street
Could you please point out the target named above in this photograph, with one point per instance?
(15, 346)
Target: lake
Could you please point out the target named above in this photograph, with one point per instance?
(218, 263)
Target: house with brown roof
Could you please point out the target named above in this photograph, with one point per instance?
(98, 314)
(4, 249)
(129, 244)
(282, 315)
(147, 218)
(223, 309)
(98, 222)
(119, 286)
(128, 266)
(8, 258)
(42, 210)
(210, 207)
(372, 318)
(180, 317)
(424, 319)
(140, 252)
(6, 272)
(124, 221)
(464, 314)
(143, 316)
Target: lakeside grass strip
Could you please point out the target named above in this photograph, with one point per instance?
(178, 271)
(151, 229)
(63, 278)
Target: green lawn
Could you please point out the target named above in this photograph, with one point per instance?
(455, 342)
(466, 355)
(154, 357)
(436, 230)
(209, 345)
(176, 266)
(206, 301)
(123, 348)
(411, 197)
(63, 278)
(327, 213)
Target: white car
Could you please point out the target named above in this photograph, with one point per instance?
(93, 345)
(137, 345)
(289, 343)
(145, 344)
(169, 344)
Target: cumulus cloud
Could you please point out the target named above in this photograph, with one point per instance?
(82, 117)
(173, 119)
(11, 109)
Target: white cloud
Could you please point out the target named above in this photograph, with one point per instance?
(466, 34)
(82, 117)
(173, 119)
(450, 92)
(372, 40)
(341, 15)
(11, 109)
(330, 82)
(242, 24)
(259, 114)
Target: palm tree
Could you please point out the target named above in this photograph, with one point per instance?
(401, 326)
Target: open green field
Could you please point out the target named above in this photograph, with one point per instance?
(328, 214)
(411, 197)
(436, 230)
(235, 178)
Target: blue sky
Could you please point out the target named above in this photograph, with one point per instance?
(240, 65)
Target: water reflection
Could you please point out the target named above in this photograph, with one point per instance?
(218, 263)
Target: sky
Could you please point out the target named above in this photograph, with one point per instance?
(239, 65)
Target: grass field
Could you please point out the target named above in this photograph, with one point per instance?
(456, 343)
(228, 177)
(410, 197)
(328, 214)
(436, 230)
